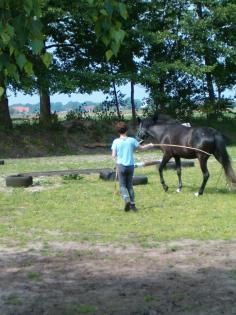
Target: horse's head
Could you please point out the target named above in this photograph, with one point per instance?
(144, 125)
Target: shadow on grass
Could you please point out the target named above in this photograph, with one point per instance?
(209, 190)
(118, 282)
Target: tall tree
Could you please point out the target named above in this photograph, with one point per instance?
(123, 67)
(186, 44)
(20, 33)
(5, 119)
(211, 33)
(164, 64)
(128, 59)
(68, 30)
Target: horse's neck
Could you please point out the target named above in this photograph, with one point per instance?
(155, 132)
(168, 133)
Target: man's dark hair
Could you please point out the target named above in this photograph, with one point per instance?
(121, 127)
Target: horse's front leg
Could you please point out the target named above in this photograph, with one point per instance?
(164, 161)
(205, 172)
(178, 171)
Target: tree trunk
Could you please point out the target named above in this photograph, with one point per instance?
(45, 104)
(133, 103)
(116, 100)
(209, 79)
(45, 107)
(162, 98)
(158, 96)
(207, 58)
(5, 119)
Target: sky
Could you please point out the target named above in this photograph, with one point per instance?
(139, 93)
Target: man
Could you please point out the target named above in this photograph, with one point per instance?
(122, 150)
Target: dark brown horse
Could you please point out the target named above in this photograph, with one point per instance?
(180, 141)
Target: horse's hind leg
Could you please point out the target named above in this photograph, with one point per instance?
(178, 170)
(164, 161)
(205, 172)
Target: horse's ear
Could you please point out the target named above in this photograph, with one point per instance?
(155, 118)
(139, 120)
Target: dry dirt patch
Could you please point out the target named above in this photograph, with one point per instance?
(185, 277)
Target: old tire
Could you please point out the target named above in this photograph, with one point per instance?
(1, 162)
(19, 181)
(107, 175)
(140, 180)
(111, 176)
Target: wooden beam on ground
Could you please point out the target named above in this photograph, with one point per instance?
(98, 170)
(66, 172)
(97, 145)
(170, 164)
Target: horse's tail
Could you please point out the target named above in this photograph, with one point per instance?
(223, 157)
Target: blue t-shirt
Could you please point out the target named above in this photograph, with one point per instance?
(124, 148)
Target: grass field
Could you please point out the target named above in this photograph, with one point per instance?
(84, 209)
(68, 248)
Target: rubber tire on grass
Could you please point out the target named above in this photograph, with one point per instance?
(111, 175)
(107, 175)
(2, 162)
(19, 181)
(140, 180)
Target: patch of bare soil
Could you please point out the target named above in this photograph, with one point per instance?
(184, 277)
(42, 183)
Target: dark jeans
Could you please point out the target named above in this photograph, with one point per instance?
(125, 176)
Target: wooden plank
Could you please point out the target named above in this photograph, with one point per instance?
(66, 172)
(98, 170)
(96, 145)
(170, 164)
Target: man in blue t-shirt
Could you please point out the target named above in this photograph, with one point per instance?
(122, 150)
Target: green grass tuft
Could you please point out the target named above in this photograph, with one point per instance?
(13, 299)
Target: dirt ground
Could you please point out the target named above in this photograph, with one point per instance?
(184, 277)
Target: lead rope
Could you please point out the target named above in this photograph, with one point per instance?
(219, 177)
(180, 146)
(115, 192)
(115, 185)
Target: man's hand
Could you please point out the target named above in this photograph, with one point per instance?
(113, 154)
(146, 146)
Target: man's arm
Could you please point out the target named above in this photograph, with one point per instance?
(113, 154)
(146, 146)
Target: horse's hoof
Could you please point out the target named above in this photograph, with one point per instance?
(196, 194)
(165, 188)
(178, 190)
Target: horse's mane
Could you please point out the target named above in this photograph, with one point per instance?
(160, 119)
(164, 119)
